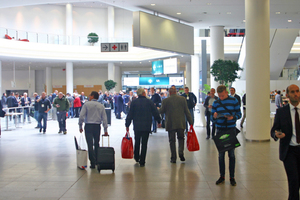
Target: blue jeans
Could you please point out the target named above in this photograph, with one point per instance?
(222, 159)
(42, 116)
(186, 124)
(26, 113)
(154, 124)
(36, 117)
(70, 113)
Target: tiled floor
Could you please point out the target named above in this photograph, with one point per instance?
(36, 166)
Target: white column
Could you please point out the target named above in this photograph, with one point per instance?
(111, 23)
(69, 23)
(1, 77)
(69, 77)
(111, 71)
(188, 74)
(195, 66)
(258, 69)
(118, 78)
(216, 48)
(49, 80)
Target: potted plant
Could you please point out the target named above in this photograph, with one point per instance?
(92, 38)
(110, 84)
(225, 71)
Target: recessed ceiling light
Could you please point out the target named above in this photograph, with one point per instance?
(228, 13)
(209, 4)
(178, 13)
(121, 63)
(140, 62)
(244, 20)
(277, 13)
(152, 4)
(289, 20)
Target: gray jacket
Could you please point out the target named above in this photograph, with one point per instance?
(71, 101)
(175, 109)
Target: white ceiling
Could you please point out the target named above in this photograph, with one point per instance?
(198, 13)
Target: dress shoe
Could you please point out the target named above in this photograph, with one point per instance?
(232, 182)
(44, 132)
(36, 127)
(142, 164)
(207, 137)
(40, 130)
(172, 161)
(65, 132)
(182, 158)
(59, 132)
(220, 180)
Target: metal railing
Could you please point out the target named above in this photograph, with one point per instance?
(58, 39)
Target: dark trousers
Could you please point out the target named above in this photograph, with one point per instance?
(186, 122)
(92, 135)
(76, 111)
(230, 155)
(208, 115)
(61, 118)
(154, 125)
(172, 140)
(42, 116)
(292, 168)
(138, 135)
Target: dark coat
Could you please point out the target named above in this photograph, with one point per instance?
(192, 99)
(283, 121)
(141, 112)
(12, 102)
(156, 99)
(238, 98)
(23, 101)
(119, 104)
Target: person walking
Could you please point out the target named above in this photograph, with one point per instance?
(278, 99)
(141, 112)
(93, 114)
(244, 110)
(286, 128)
(44, 105)
(71, 102)
(62, 105)
(225, 111)
(208, 105)
(76, 105)
(36, 108)
(119, 105)
(4, 100)
(191, 100)
(26, 102)
(155, 98)
(176, 110)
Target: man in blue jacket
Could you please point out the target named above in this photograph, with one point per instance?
(44, 105)
(12, 103)
(141, 112)
(225, 111)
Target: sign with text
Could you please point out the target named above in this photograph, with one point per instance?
(114, 47)
(154, 81)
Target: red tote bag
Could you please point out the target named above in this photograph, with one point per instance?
(192, 141)
(127, 147)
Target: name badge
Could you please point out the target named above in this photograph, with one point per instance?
(43, 105)
(187, 98)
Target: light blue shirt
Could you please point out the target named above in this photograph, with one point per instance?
(93, 112)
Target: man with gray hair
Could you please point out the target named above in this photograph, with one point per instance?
(176, 110)
(25, 102)
(62, 105)
(141, 112)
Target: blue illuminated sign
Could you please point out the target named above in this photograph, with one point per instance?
(157, 67)
(154, 81)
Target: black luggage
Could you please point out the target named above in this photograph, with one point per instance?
(105, 157)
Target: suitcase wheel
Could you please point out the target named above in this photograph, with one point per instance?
(98, 168)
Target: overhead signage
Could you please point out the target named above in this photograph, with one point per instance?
(170, 66)
(154, 81)
(114, 47)
(157, 67)
(178, 81)
(131, 81)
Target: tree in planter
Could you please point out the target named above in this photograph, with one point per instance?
(110, 84)
(92, 38)
(225, 71)
(206, 89)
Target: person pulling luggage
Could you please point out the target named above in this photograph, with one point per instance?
(93, 114)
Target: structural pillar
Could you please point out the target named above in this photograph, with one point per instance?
(111, 23)
(188, 74)
(258, 69)
(111, 71)
(69, 77)
(48, 80)
(69, 23)
(216, 48)
(195, 67)
(118, 78)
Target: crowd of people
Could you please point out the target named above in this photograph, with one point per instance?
(148, 111)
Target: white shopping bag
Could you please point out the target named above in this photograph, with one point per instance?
(81, 154)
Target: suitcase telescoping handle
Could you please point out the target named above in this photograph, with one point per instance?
(107, 139)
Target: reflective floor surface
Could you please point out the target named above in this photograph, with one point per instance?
(36, 166)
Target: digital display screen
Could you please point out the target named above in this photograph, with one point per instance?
(170, 66)
(157, 67)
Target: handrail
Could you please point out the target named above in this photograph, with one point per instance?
(241, 47)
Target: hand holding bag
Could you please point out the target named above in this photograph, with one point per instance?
(127, 147)
(81, 154)
(192, 141)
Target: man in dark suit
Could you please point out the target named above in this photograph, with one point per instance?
(233, 94)
(287, 128)
(12, 102)
(157, 101)
(141, 112)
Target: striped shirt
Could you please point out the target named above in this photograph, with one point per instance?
(232, 105)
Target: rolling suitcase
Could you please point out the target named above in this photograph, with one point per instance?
(105, 157)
